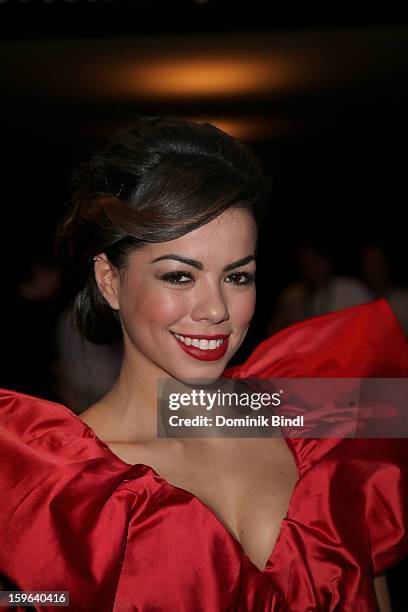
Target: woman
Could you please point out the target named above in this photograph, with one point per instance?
(159, 246)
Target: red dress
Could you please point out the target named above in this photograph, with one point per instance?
(74, 517)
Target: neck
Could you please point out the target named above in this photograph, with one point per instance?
(130, 407)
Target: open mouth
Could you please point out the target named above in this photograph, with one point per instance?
(202, 344)
(202, 349)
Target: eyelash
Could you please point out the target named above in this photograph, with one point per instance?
(173, 278)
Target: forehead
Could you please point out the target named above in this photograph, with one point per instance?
(228, 237)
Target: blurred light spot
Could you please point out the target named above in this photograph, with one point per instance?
(201, 77)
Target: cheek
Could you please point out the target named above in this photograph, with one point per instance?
(243, 306)
(159, 306)
(168, 306)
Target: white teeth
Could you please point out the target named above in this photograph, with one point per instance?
(204, 345)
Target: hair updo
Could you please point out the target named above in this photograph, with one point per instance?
(156, 180)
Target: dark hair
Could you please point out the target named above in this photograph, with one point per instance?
(156, 180)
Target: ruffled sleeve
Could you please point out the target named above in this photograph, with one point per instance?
(61, 524)
(355, 342)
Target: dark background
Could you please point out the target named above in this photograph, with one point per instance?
(327, 115)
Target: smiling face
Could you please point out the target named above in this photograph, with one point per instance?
(210, 293)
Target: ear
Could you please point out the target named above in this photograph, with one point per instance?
(108, 280)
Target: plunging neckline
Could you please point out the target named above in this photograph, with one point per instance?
(206, 507)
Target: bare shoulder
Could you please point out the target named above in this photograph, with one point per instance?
(90, 415)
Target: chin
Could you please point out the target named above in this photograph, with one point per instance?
(199, 379)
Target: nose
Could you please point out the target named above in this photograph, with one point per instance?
(210, 304)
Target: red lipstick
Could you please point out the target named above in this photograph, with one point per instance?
(204, 355)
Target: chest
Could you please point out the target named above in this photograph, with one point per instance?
(246, 483)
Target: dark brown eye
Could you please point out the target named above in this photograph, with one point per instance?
(173, 278)
(247, 277)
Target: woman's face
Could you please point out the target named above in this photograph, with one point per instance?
(211, 293)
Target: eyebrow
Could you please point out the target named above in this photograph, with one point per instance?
(199, 265)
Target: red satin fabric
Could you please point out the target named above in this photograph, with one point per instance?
(75, 517)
